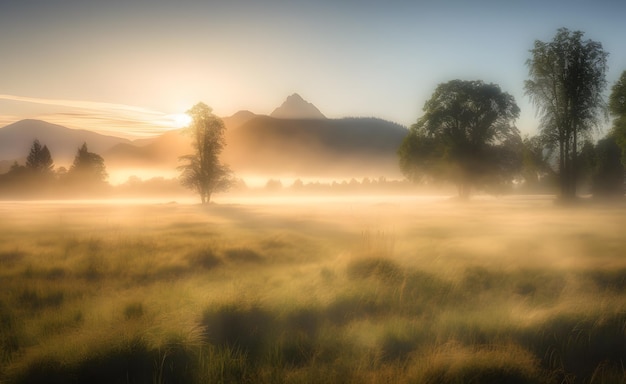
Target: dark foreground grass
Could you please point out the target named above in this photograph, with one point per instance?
(251, 342)
(147, 301)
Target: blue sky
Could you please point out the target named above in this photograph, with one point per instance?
(130, 66)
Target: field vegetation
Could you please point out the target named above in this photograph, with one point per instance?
(510, 290)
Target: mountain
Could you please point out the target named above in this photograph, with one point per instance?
(308, 145)
(17, 138)
(349, 147)
(295, 107)
(238, 119)
(163, 150)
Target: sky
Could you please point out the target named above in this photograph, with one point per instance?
(131, 68)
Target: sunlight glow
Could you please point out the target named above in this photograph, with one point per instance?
(181, 120)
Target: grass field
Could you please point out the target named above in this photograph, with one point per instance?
(511, 290)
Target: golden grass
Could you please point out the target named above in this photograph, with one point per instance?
(353, 291)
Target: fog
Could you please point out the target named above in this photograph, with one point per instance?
(305, 264)
(401, 287)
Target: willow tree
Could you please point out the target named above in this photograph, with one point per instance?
(466, 136)
(567, 80)
(202, 170)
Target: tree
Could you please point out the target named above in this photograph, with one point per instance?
(203, 172)
(87, 168)
(39, 159)
(608, 180)
(536, 164)
(617, 109)
(466, 136)
(567, 80)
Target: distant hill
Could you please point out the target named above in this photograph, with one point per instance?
(238, 119)
(17, 138)
(309, 145)
(340, 147)
(160, 151)
(295, 107)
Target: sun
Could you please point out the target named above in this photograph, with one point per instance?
(180, 120)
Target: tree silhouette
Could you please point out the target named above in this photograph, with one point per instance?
(202, 171)
(87, 168)
(608, 180)
(536, 163)
(466, 136)
(617, 109)
(39, 159)
(567, 80)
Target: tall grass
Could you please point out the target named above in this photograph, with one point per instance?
(490, 292)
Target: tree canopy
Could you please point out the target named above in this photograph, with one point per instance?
(87, 168)
(617, 109)
(465, 136)
(567, 80)
(39, 159)
(202, 170)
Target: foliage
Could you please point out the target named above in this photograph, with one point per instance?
(617, 109)
(567, 80)
(536, 163)
(39, 158)
(88, 168)
(203, 172)
(466, 136)
(609, 173)
(36, 178)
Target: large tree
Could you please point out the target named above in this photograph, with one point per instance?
(202, 171)
(87, 169)
(466, 136)
(567, 80)
(39, 159)
(617, 109)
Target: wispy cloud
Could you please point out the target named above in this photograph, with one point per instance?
(119, 119)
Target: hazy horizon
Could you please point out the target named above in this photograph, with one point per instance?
(135, 68)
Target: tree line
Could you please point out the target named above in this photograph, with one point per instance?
(467, 134)
(37, 177)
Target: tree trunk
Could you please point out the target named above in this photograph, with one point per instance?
(574, 166)
(563, 165)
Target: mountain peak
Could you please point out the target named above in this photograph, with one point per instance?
(295, 107)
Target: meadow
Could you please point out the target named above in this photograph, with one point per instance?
(380, 290)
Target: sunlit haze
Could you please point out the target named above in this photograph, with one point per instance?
(231, 191)
(132, 68)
